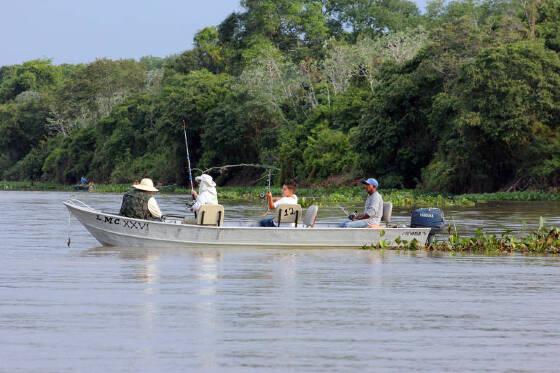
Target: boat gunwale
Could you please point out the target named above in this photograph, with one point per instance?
(69, 204)
(240, 244)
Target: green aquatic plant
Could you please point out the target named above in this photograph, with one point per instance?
(33, 186)
(349, 195)
(543, 241)
(488, 244)
(399, 244)
(511, 196)
(321, 196)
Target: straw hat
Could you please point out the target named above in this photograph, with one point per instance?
(146, 185)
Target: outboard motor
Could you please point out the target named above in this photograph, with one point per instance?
(428, 218)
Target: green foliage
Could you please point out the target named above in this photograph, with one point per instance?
(33, 75)
(328, 152)
(463, 98)
(72, 158)
(511, 196)
(548, 26)
(374, 17)
(156, 166)
(21, 129)
(93, 90)
(506, 123)
(542, 241)
(207, 54)
(290, 25)
(393, 138)
(350, 196)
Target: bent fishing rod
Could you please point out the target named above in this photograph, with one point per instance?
(267, 167)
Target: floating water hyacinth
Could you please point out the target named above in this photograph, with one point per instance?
(542, 241)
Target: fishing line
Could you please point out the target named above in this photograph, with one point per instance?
(69, 240)
(68, 227)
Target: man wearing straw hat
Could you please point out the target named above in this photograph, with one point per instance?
(139, 202)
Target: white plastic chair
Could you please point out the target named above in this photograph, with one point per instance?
(288, 214)
(311, 216)
(210, 215)
(387, 212)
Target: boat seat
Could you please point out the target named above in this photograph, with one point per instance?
(210, 215)
(286, 214)
(387, 212)
(310, 216)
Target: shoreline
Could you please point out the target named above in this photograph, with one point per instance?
(312, 195)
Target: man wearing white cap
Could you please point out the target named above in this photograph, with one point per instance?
(139, 202)
(207, 194)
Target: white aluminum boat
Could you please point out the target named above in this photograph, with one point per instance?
(114, 230)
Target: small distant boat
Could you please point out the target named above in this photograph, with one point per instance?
(84, 187)
(114, 230)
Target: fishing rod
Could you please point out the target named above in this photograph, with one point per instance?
(268, 168)
(268, 186)
(262, 195)
(346, 211)
(188, 155)
(225, 167)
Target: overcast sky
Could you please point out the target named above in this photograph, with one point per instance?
(72, 31)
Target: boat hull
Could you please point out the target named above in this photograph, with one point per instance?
(114, 230)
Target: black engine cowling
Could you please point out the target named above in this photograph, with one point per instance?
(428, 218)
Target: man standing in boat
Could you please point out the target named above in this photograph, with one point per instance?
(289, 197)
(140, 203)
(373, 211)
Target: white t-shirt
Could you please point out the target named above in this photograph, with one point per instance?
(204, 198)
(286, 201)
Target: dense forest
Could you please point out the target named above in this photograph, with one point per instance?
(463, 97)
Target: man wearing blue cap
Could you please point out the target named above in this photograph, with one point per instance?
(373, 211)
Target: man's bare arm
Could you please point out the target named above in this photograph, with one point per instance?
(270, 200)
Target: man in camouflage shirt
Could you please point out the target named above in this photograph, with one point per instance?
(139, 202)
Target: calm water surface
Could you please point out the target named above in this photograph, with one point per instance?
(92, 309)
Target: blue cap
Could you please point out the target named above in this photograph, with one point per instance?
(370, 181)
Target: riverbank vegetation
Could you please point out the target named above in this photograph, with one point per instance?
(545, 240)
(542, 241)
(463, 98)
(322, 196)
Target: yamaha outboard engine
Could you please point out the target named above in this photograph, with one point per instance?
(428, 218)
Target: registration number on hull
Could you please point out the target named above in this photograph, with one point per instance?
(130, 224)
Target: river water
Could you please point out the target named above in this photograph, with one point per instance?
(92, 309)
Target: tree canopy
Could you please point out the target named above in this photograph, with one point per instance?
(463, 97)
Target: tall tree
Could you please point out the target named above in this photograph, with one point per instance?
(373, 18)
